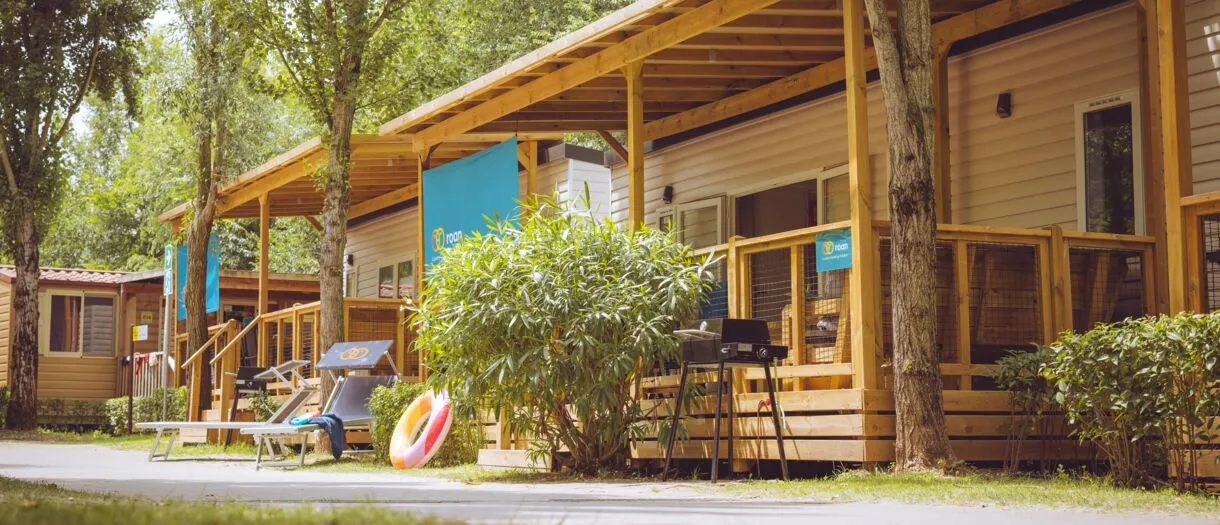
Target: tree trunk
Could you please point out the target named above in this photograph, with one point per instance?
(195, 294)
(905, 63)
(23, 385)
(334, 220)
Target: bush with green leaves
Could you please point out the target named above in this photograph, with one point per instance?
(145, 408)
(387, 405)
(548, 319)
(1142, 390)
(1030, 397)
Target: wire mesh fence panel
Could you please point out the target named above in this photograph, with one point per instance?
(770, 279)
(307, 342)
(717, 304)
(827, 329)
(1107, 286)
(286, 340)
(366, 323)
(946, 300)
(1005, 299)
(1209, 229)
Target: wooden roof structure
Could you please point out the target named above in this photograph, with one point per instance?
(702, 61)
(385, 171)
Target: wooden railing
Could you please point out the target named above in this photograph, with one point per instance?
(1201, 229)
(193, 365)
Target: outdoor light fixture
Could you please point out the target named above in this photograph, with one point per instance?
(667, 196)
(1003, 105)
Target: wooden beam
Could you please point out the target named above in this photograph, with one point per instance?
(942, 179)
(313, 221)
(264, 251)
(865, 274)
(384, 200)
(635, 143)
(1154, 176)
(613, 144)
(1175, 145)
(712, 14)
(980, 20)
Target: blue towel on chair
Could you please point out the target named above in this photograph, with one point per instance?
(334, 431)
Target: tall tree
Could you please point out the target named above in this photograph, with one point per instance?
(221, 70)
(905, 60)
(53, 53)
(333, 54)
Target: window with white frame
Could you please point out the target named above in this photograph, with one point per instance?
(698, 224)
(1109, 169)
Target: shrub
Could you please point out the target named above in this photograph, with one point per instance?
(550, 320)
(1030, 396)
(3, 405)
(71, 414)
(1142, 390)
(387, 405)
(144, 409)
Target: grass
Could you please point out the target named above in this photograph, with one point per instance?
(26, 503)
(141, 442)
(980, 488)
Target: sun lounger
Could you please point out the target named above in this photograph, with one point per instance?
(349, 399)
(285, 372)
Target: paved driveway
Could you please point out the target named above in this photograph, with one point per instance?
(100, 469)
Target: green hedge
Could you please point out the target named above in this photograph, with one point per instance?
(388, 404)
(144, 409)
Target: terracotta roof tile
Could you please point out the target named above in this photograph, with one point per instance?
(74, 275)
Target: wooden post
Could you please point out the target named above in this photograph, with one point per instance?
(400, 349)
(264, 274)
(961, 274)
(527, 155)
(940, 153)
(421, 263)
(298, 346)
(1061, 273)
(865, 275)
(1045, 289)
(1154, 175)
(1175, 145)
(796, 346)
(634, 73)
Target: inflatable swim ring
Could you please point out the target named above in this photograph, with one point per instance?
(421, 430)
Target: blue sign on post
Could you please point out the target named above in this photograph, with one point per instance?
(211, 290)
(833, 250)
(458, 196)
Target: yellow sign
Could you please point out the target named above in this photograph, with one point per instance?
(147, 317)
(139, 332)
(354, 354)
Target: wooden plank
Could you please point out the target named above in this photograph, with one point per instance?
(983, 19)
(1045, 293)
(822, 370)
(313, 221)
(1175, 145)
(1154, 177)
(851, 450)
(750, 423)
(789, 402)
(527, 155)
(384, 200)
(864, 279)
(637, 47)
(1061, 273)
(796, 346)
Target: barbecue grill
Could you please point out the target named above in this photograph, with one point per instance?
(720, 344)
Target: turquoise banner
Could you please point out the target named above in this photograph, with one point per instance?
(833, 250)
(461, 195)
(211, 289)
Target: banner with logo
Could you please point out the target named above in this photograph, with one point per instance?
(459, 196)
(833, 250)
(211, 290)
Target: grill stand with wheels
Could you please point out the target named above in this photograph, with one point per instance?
(720, 366)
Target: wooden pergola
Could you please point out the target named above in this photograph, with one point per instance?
(385, 172)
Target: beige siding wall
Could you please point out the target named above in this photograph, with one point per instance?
(384, 241)
(1203, 65)
(1016, 172)
(6, 334)
(388, 240)
(1021, 171)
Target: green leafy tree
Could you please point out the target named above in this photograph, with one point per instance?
(550, 321)
(332, 53)
(53, 53)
